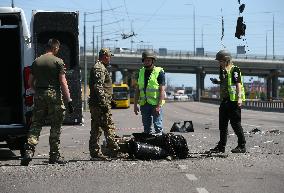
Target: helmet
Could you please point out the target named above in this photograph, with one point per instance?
(105, 51)
(148, 54)
(223, 55)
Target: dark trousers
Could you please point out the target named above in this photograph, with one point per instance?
(230, 111)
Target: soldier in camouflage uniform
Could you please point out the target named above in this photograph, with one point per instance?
(100, 85)
(48, 80)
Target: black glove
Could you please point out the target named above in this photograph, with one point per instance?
(104, 108)
(214, 80)
(70, 107)
(113, 103)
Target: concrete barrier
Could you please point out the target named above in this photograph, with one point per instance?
(258, 105)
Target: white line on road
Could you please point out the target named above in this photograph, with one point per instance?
(191, 177)
(201, 190)
(183, 167)
(251, 125)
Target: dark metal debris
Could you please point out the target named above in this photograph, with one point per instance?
(242, 8)
(255, 130)
(148, 146)
(240, 28)
(186, 127)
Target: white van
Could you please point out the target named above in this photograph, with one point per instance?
(17, 53)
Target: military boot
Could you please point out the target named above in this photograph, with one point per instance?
(113, 146)
(239, 149)
(99, 156)
(28, 154)
(57, 160)
(217, 149)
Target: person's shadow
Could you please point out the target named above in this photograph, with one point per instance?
(6, 155)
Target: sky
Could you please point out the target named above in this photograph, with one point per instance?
(170, 24)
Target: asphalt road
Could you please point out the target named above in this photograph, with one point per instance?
(260, 170)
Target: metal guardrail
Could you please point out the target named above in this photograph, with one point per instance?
(258, 105)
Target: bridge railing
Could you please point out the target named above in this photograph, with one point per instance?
(270, 106)
(189, 54)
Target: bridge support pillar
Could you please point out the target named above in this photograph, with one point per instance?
(200, 75)
(268, 87)
(275, 83)
(202, 85)
(272, 84)
(113, 76)
(127, 76)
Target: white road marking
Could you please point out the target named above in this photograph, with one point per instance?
(183, 167)
(191, 177)
(201, 190)
(251, 125)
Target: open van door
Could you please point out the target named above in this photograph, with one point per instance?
(15, 54)
(64, 27)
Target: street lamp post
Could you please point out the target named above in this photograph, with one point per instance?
(273, 37)
(273, 47)
(193, 27)
(85, 61)
(202, 34)
(266, 43)
(85, 65)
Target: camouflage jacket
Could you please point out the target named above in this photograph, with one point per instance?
(100, 85)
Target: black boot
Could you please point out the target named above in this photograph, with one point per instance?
(57, 160)
(239, 149)
(217, 149)
(99, 157)
(28, 154)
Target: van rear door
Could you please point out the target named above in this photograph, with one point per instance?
(64, 27)
(14, 37)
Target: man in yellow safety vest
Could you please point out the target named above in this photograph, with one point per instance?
(232, 95)
(150, 94)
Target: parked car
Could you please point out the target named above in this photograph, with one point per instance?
(123, 51)
(180, 97)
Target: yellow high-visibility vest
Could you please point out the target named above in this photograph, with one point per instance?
(151, 95)
(232, 88)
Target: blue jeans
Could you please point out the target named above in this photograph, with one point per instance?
(148, 114)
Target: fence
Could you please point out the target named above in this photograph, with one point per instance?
(270, 106)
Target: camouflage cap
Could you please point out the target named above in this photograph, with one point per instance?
(105, 51)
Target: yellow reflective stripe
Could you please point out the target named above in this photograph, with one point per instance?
(152, 90)
(150, 97)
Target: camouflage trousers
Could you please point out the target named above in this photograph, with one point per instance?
(47, 104)
(101, 121)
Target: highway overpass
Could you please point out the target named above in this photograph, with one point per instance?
(268, 69)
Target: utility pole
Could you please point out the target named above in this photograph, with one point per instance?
(193, 27)
(273, 38)
(102, 44)
(12, 3)
(97, 46)
(202, 37)
(131, 37)
(93, 43)
(266, 46)
(85, 65)
(193, 30)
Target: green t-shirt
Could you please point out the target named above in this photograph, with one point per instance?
(46, 69)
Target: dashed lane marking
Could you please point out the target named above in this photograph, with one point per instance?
(183, 167)
(191, 177)
(201, 190)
